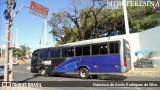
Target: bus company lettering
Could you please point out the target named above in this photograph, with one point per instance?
(46, 62)
(133, 3)
(26, 85)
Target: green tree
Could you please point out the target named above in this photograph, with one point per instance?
(24, 50)
(62, 29)
(69, 26)
(21, 52)
(17, 53)
(142, 18)
(101, 22)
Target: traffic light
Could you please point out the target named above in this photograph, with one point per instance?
(10, 3)
(14, 5)
(6, 14)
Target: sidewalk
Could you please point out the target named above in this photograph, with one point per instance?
(28, 61)
(154, 72)
(20, 61)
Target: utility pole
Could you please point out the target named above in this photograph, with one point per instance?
(6, 53)
(45, 36)
(8, 65)
(8, 74)
(11, 44)
(40, 41)
(125, 17)
(41, 11)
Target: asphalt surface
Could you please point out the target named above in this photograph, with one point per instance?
(22, 74)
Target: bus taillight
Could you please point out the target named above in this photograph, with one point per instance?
(125, 62)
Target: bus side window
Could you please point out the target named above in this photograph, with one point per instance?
(95, 49)
(114, 48)
(111, 47)
(103, 49)
(86, 50)
(64, 52)
(71, 52)
(35, 56)
(78, 51)
(117, 47)
(51, 53)
(56, 52)
(43, 54)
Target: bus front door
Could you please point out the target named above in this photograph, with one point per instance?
(34, 61)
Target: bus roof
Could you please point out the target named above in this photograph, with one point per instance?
(85, 42)
(91, 41)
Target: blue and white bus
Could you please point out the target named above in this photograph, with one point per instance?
(85, 58)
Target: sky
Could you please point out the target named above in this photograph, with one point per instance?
(30, 26)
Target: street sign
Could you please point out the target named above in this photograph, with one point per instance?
(38, 10)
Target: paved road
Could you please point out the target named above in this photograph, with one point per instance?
(22, 73)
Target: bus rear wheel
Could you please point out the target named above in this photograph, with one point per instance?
(43, 72)
(83, 73)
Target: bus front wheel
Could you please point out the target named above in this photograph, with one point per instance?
(83, 73)
(43, 72)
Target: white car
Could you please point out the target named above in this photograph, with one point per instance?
(15, 63)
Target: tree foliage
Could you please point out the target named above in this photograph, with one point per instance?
(142, 18)
(62, 28)
(21, 52)
(95, 19)
(17, 53)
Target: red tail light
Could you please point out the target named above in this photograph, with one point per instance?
(125, 62)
